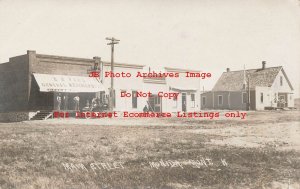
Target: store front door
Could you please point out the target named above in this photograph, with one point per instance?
(183, 100)
(155, 103)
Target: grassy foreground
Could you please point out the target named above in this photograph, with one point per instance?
(63, 155)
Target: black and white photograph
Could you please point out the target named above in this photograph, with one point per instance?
(196, 94)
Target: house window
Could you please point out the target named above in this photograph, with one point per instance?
(193, 100)
(134, 99)
(220, 100)
(261, 97)
(203, 100)
(245, 98)
(281, 81)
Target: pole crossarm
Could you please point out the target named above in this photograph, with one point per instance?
(112, 43)
(112, 39)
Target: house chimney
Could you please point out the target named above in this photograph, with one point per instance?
(227, 69)
(263, 64)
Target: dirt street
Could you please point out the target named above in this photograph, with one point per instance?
(261, 151)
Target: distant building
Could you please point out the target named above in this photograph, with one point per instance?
(254, 89)
(297, 103)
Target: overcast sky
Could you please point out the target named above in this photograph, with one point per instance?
(208, 35)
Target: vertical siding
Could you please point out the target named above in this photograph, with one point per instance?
(236, 101)
(225, 104)
(231, 100)
(209, 101)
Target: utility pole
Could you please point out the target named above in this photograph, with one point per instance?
(112, 42)
(249, 105)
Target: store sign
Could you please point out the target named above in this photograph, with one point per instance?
(64, 83)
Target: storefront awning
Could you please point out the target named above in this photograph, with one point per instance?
(66, 83)
(185, 89)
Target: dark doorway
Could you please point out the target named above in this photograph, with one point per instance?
(154, 103)
(282, 100)
(40, 100)
(183, 102)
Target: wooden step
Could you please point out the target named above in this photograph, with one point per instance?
(41, 115)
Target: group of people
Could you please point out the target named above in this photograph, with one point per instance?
(96, 104)
(63, 101)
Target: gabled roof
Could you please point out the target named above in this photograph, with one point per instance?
(234, 80)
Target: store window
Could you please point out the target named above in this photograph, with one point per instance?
(261, 97)
(192, 100)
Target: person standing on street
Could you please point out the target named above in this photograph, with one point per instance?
(76, 101)
(65, 100)
(58, 101)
